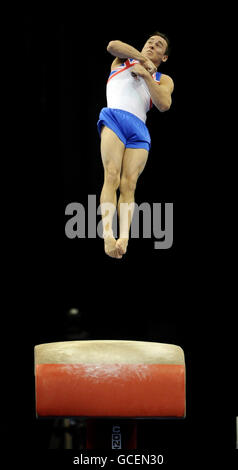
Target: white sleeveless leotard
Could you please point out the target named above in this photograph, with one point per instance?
(127, 92)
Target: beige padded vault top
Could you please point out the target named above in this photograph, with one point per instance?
(107, 352)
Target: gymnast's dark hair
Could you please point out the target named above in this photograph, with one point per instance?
(164, 36)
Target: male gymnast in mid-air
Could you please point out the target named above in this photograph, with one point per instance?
(133, 86)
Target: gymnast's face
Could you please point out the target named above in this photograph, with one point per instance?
(155, 49)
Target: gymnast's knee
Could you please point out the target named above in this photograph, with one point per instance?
(128, 185)
(112, 176)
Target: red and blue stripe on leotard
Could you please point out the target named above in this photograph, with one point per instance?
(126, 65)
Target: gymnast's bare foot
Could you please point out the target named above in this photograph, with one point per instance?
(111, 248)
(121, 245)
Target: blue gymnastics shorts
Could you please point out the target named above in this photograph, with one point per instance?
(131, 130)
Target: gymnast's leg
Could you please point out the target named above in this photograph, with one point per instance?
(112, 151)
(134, 161)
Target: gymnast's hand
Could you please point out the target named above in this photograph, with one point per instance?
(148, 65)
(139, 71)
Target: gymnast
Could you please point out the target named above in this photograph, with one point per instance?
(133, 86)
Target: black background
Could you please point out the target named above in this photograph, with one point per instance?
(149, 295)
